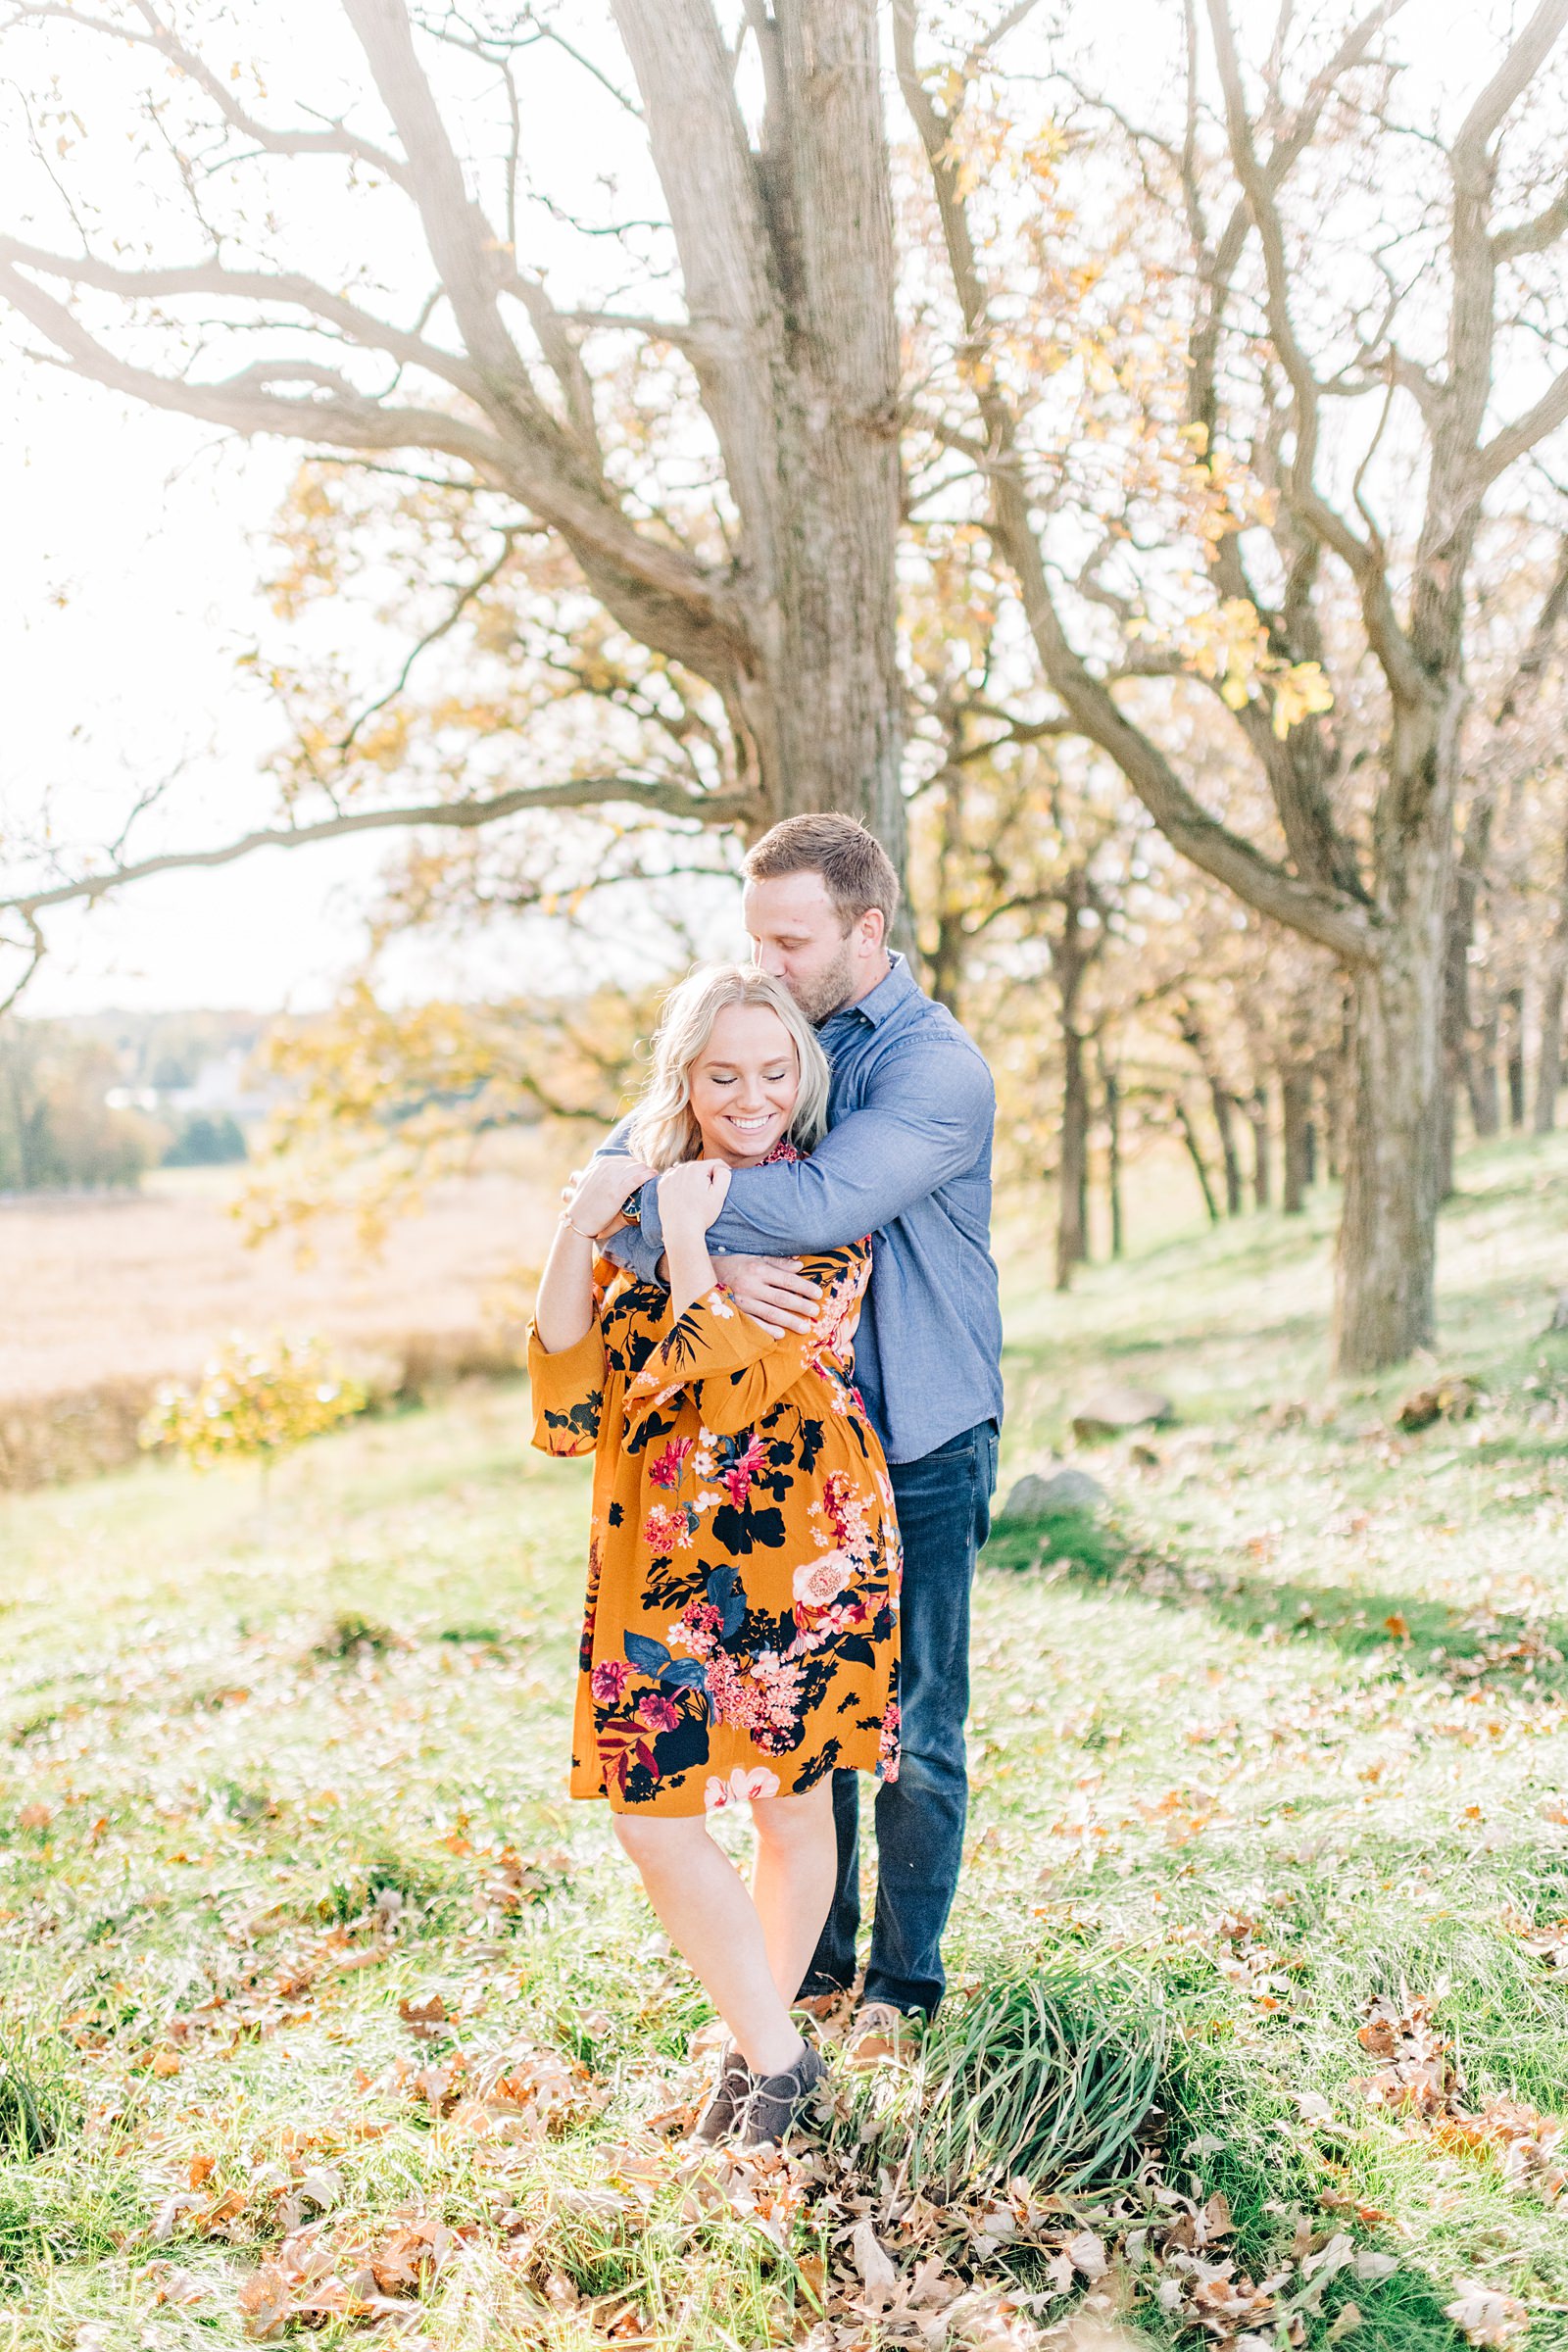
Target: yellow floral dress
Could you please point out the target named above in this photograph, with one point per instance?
(740, 1637)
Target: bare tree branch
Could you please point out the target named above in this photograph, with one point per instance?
(1534, 236)
(159, 37)
(1340, 923)
(1361, 558)
(466, 815)
(286, 287)
(1521, 64)
(35, 951)
(1516, 440)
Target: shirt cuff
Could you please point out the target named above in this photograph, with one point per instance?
(652, 1225)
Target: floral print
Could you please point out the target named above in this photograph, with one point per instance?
(740, 1635)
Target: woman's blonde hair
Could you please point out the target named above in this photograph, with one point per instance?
(664, 1128)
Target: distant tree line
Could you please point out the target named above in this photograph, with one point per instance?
(60, 1130)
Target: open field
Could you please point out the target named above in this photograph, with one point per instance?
(323, 2013)
(142, 1286)
(107, 1296)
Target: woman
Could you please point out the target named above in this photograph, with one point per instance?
(740, 1635)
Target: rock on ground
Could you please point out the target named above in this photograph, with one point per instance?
(1111, 1411)
(1036, 1498)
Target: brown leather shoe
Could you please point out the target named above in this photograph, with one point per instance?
(881, 2035)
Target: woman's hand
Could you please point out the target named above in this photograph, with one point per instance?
(691, 1195)
(595, 1194)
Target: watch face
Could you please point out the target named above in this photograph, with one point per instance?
(631, 1208)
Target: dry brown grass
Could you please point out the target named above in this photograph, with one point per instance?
(105, 1298)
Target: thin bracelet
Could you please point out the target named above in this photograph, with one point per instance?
(566, 1219)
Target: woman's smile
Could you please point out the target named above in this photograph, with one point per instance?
(745, 1084)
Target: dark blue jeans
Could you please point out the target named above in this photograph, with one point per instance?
(943, 1504)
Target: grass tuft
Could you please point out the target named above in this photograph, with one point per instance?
(1044, 2074)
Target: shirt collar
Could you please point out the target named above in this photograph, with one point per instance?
(887, 995)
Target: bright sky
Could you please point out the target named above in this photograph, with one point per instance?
(133, 541)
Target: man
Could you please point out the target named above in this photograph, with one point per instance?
(906, 1159)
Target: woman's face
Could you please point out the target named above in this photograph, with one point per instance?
(744, 1084)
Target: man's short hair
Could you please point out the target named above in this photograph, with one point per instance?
(852, 861)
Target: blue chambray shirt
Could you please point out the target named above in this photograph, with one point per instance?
(907, 1159)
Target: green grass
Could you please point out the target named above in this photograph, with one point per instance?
(1279, 1732)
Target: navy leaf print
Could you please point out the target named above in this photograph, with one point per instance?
(684, 1673)
(648, 1657)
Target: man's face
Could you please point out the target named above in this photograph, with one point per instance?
(797, 937)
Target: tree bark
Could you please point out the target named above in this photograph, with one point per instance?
(1073, 1180)
(1513, 1055)
(1221, 1101)
(1548, 1063)
(792, 253)
(1548, 1066)
(1295, 1092)
(1194, 1152)
(1111, 1097)
(1387, 1257)
(1481, 1072)
(1262, 1164)
(1474, 850)
(1225, 1120)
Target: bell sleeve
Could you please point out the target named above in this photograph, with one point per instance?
(568, 1392)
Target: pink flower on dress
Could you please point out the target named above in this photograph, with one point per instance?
(888, 1745)
(661, 1714)
(608, 1680)
(819, 1583)
(737, 1477)
(666, 1531)
(746, 1782)
(665, 1472)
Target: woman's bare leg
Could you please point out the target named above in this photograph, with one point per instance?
(706, 1911)
(792, 1884)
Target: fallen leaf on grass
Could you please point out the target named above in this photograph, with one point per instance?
(424, 2015)
(174, 2287)
(1485, 2315)
(1422, 2080)
(1549, 1942)
(1087, 2253)
(878, 2276)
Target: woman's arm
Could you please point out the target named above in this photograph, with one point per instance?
(563, 1313)
(735, 1367)
(690, 1197)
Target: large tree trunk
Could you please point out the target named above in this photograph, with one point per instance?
(1385, 1292)
(792, 255)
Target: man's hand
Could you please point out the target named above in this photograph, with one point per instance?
(772, 1291)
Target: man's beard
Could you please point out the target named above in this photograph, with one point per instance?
(821, 996)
